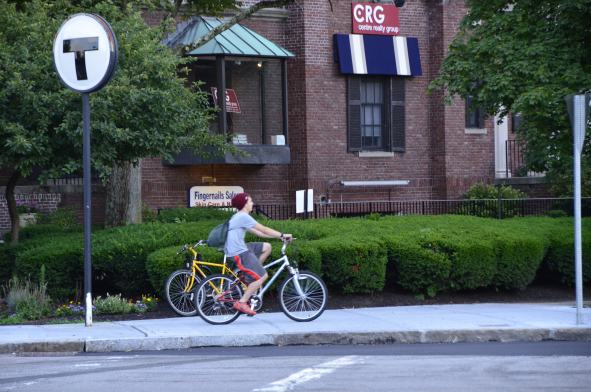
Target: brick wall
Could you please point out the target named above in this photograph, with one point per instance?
(43, 202)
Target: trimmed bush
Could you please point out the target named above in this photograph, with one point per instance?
(473, 262)
(560, 259)
(419, 270)
(518, 258)
(118, 257)
(353, 266)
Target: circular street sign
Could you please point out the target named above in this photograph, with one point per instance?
(85, 52)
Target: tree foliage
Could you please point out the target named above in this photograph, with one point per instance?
(525, 56)
(146, 109)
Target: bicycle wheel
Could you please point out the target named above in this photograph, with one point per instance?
(217, 294)
(179, 292)
(310, 304)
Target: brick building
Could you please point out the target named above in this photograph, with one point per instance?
(355, 115)
(422, 147)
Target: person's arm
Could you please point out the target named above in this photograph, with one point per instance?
(266, 232)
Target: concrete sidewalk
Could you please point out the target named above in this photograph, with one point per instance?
(404, 324)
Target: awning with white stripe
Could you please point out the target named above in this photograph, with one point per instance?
(377, 55)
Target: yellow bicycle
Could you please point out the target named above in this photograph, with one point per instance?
(180, 285)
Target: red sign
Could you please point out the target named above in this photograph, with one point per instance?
(232, 104)
(372, 18)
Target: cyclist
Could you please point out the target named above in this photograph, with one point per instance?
(249, 257)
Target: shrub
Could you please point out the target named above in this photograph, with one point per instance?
(484, 194)
(560, 258)
(353, 266)
(63, 218)
(518, 259)
(486, 191)
(113, 304)
(29, 300)
(419, 270)
(118, 257)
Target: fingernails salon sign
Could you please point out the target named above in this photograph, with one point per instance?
(213, 196)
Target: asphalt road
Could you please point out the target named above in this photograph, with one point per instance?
(544, 366)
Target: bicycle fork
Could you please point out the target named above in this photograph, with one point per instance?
(296, 274)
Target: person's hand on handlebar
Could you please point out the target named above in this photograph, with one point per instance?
(286, 237)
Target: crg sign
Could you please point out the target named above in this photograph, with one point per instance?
(370, 18)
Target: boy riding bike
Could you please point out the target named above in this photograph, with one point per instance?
(249, 258)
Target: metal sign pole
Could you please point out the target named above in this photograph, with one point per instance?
(87, 208)
(578, 109)
(79, 34)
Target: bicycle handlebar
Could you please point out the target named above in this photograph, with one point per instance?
(185, 247)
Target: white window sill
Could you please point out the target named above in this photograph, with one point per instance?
(475, 131)
(375, 154)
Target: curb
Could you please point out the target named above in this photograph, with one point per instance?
(332, 338)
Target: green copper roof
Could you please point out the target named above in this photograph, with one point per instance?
(237, 41)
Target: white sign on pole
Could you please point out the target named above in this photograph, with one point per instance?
(213, 196)
(85, 52)
(304, 202)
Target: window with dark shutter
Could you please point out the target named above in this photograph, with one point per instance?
(375, 115)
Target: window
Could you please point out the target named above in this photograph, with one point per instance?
(474, 115)
(376, 114)
(515, 122)
(372, 114)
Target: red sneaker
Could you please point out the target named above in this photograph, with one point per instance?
(244, 308)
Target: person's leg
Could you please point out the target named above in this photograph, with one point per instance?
(253, 269)
(252, 288)
(262, 250)
(266, 252)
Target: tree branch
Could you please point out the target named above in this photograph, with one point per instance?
(235, 19)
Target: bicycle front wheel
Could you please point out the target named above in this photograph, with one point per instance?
(308, 305)
(217, 295)
(180, 291)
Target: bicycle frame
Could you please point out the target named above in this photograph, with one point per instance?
(285, 264)
(284, 261)
(196, 263)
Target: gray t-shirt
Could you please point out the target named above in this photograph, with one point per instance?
(239, 224)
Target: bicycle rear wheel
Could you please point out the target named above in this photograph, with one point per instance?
(217, 295)
(310, 304)
(179, 292)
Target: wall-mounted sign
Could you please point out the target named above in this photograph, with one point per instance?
(375, 18)
(85, 52)
(213, 196)
(232, 104)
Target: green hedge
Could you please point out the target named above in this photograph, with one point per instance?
(560, 259)
(118, 257)
(353, 266)
(415, 268)
(422, 254)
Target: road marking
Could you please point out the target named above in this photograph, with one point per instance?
(312, 373)
(87, 365)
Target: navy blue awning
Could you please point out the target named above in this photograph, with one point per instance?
(378, 55)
